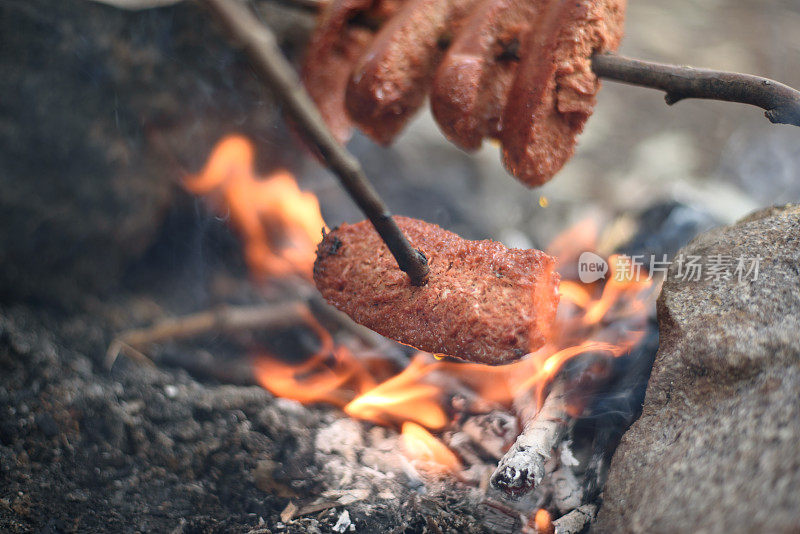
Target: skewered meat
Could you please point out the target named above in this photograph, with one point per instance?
(514, 70)
(389, 83)
(345, 30)
(472, 83)
(554, 92)
(483, 302)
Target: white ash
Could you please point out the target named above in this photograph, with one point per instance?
(343, 523)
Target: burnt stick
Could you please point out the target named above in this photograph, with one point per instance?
(575, 521)
(260, 43)
(522, 467)
(227, 319)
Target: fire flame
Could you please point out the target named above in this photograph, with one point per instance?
(420, 445)
(280, 226)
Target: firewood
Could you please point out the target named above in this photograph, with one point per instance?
(575, 521)
(523, 466)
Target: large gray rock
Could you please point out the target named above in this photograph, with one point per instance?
(717, 448)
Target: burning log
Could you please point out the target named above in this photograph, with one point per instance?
(523, 466)
(485, 303)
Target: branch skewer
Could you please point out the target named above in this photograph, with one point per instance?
(261, 45)
(781, 102)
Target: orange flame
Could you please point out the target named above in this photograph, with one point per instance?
(331, 375)
(421, 445)
(279, 224)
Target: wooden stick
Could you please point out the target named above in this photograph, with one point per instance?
(227, 319)
(523, 466)
(575, 521)
(260, 44)
(781, 102)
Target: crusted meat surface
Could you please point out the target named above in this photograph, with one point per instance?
(514, 70)
(483, 302)
(344, 32)
(554, 91)
(389, 84)
(472, 83)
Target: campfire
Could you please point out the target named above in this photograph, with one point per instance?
(510, 424)
(353, 265)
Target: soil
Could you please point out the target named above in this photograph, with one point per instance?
(143, 448)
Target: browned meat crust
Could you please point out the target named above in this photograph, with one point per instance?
(472, 83)
(345, 30)
(554, 92)
(483, 302)
(514, 70)
(390, 82)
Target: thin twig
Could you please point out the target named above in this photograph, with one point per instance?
(781, 102)
(227, 319)
(260, 43)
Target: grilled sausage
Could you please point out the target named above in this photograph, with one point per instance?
(554, 91)
(472, 83)
(390, 82)
(345, 30)
(483, 302)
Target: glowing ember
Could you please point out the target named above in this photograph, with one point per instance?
(279, 224)
(421, 445)
(542, 522)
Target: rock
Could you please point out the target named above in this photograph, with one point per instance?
(715, 449)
